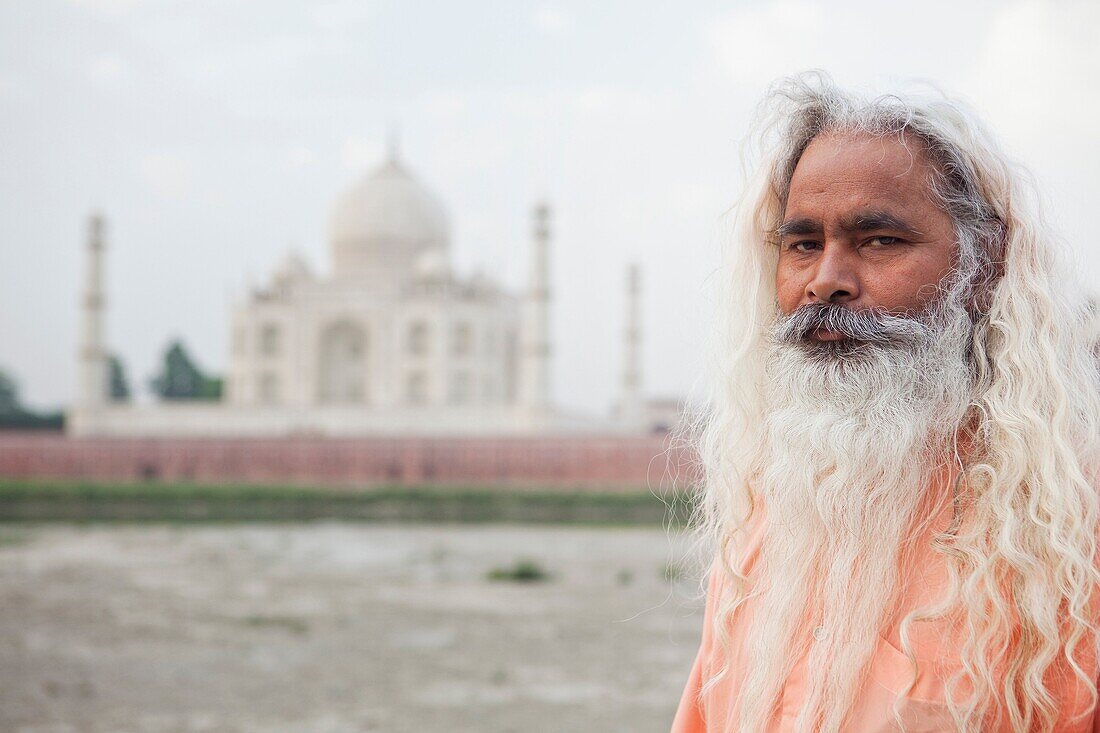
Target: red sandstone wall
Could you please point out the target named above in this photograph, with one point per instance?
(644, 462)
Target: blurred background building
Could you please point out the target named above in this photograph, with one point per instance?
(392, 342)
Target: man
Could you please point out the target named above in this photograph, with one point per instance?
(902, 452)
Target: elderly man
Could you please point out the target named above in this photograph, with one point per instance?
(902, 451)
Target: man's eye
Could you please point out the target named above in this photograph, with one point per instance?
(804, 246)
(885, 240)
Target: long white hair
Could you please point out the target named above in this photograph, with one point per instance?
(1022, 557)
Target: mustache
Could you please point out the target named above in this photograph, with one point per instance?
(871, 325)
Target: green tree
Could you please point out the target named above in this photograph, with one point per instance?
(9, 395)
(120, 386)
(181, 379)
(211, 388)
(14, 416)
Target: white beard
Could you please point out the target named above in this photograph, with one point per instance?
(850, 444)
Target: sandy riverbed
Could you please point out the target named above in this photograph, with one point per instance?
(334, 628)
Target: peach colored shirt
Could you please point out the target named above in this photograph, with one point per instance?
(923, 709)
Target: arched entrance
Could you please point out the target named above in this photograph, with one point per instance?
(343, 364)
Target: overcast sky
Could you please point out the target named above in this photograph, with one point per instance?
(215, 135)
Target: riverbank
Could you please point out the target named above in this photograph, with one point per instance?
(330, 627)
(37, 501)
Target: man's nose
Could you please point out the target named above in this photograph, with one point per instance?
(834, 280)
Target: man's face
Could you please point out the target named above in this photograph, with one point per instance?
(861, 229)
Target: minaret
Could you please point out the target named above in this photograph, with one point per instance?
(534, 382)
(631, 401)
(92, 362)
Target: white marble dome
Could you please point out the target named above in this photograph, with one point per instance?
(432, 264)
(385, 221)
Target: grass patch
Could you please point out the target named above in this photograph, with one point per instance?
(87, 501)
(287, 623)
(522, 571)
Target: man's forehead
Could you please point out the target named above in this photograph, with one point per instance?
(875, 164)
(842, 179)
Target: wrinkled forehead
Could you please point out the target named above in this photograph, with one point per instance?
(840, 175)
(847, 160)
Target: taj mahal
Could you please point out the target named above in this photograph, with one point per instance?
(392, 342)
